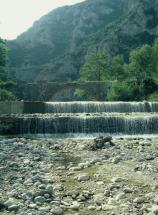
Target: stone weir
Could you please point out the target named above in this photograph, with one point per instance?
(21, 107)
(110, 123)
(95, 107)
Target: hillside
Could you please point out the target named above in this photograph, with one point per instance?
(55, 47)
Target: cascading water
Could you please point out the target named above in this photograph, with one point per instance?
(84, 117)
(138, 123)
(95, 107)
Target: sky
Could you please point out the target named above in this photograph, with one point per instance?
(16, 16)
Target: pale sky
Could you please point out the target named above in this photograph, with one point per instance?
(16, 16)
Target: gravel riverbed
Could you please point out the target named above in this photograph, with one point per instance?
(64, 176)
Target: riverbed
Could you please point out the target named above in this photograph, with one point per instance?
(53, 176)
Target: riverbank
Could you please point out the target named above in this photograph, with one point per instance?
(63, 176)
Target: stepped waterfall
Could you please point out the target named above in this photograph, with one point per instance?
(95, 107)
(127, 118)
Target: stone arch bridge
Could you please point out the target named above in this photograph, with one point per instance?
(44, 91)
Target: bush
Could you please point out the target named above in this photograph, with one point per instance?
(119, 92)
(6, 95)
(153, 97)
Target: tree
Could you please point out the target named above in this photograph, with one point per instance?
(120, 91)
(96, 67)
(5, 85)
(3, 51)
(142, 63)
(118, 68)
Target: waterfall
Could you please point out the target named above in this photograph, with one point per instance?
(117, 124)
(128, 118)
(95, 107)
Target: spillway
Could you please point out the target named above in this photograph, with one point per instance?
(130, 124)
(128, 118)
(95, 107)
(22, 107)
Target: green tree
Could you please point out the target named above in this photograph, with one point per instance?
(142, 63)
(120, 91)
(118, 68)
(3, 52)
(96, 67)
(6, 85)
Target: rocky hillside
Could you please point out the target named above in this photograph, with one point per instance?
(56, 46)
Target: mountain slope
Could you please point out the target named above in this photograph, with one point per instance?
(56, 46)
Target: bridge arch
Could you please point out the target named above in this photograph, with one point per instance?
(44, 91)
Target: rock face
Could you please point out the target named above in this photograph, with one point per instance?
(56, 46)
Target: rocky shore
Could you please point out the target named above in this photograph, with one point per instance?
(78, 176)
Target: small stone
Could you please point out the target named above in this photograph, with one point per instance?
(49, 189)
(154, 209)
(149, 157)
(75, 206)
(39, 199)
(121, 195)
(116, 160)
(127, 190)
(100, 183)
(99, 198)
(107, 193)
(56, 210)
(118, 179)
(9, 202)
(108, 207)
(139, 200)
(83, 177)
(91, 207)
(13, 208)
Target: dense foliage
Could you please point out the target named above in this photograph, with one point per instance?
(133, 80)
(5, 84)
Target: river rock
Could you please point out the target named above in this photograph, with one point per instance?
(116, 159)
(154, 209)
(56, 210)
(39, 199)
(91, 207)
(13, 208)
(139, 200)
(75, 206)
(102, 142)
(99, 198)
(127, 190)
(117, 179)
(83, 177)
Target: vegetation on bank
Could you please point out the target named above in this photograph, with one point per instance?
(6, 85)
(135, 79)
